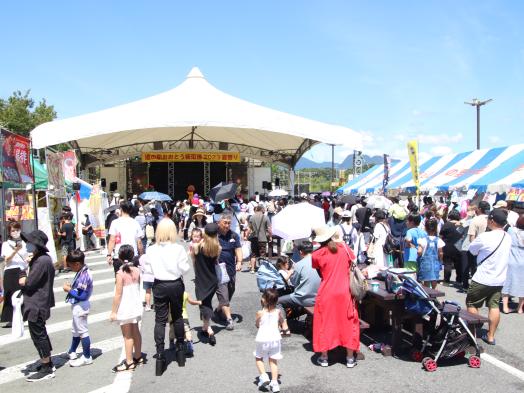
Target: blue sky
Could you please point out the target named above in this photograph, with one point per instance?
(393, 70)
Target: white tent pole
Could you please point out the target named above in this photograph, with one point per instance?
(292, 182)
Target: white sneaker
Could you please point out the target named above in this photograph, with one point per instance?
(69, 356)
(351, 362)
(274, 386)
(81, 361)
(263, 380)
(322, 362)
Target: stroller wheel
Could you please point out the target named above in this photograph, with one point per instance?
(416, 355)
(429, 364)
(474, 361)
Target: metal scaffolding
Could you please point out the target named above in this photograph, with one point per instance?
(171, 178)
(207, 178)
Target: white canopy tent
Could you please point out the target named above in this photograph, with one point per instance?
(194, 115)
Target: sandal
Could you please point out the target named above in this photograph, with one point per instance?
(123, 366)
(485, 339)
(285, 333)
(139, 361)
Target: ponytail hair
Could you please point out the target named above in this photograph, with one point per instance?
(126, 255)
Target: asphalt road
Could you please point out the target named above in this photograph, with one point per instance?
(230, 365)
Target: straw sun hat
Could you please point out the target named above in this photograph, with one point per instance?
(324, 233)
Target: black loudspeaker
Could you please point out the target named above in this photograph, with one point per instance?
(264, 185)
(113, 186)
(223, 146)
(158, 145)
(269, 186)
(277, 181)
(76, 186)
(103, 183)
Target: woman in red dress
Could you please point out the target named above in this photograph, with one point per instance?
(336, 320)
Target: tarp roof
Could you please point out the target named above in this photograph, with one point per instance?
(494, 170)
(193, 111)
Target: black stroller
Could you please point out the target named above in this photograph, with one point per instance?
(448, 336)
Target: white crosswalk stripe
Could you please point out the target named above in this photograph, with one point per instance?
(20, 350)
(53, 328)
(15, 372)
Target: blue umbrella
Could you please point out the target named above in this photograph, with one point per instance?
(157, 196)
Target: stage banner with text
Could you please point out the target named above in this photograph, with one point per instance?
(16, 167)
(413, 160)
(191, 156)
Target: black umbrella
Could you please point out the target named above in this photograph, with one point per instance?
(223, 191)
(350, 199)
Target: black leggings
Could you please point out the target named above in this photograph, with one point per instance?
(38, 333)
(168, 295)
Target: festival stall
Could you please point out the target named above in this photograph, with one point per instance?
(496, 170)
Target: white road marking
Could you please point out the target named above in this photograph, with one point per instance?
(15, 372)
(122, 381)
(93, 298)
(95, 284)
(503, 366)
(93, 272)
(54, 328)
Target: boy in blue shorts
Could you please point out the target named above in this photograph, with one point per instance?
(413, 235)
(78, 294)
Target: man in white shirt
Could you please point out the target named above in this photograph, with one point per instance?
(124, 230)
(512, 216)
(492, 250)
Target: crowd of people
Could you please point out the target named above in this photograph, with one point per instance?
(483, 245)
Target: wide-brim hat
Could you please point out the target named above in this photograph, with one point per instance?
(346, 214)
(324, 233)
(338, 210)
(38, 238)
(199, 212)
(500, 204)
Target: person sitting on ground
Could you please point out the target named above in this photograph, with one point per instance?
(492, 250)
(305, 281)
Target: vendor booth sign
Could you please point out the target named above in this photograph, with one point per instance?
(191, 156)
(16, 167)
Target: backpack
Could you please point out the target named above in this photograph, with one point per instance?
(150, 232)
(347, 237)
(391, 244)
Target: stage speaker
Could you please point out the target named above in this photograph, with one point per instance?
(269, 186)
(223, 146)
(76, 186)
(113, 186)
(158, 146)
(103, 183)
(264, 185)
(277, 181)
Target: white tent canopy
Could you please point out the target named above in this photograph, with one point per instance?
(196, 115)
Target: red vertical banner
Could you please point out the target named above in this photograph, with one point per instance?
(69, 165)
(16, 164)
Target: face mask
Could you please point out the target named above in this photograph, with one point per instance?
(31, 248)
(15, 234)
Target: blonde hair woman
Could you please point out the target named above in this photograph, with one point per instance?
(168, 262)
(206, 255)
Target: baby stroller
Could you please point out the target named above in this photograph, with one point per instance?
(269, 277)
(448, 336)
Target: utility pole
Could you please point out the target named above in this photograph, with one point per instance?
(478, 103)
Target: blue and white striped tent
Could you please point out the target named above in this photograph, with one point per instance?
(492, 170)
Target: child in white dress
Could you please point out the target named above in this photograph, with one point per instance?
(268, 339)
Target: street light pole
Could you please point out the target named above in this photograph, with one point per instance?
(477, 103)
(332, 166)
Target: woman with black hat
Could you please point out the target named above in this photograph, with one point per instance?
(206, 281)
(15, 255)
(37, 289)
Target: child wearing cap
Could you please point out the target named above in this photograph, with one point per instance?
(78, 294)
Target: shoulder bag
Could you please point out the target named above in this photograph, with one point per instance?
(358, 285)
(494, 251)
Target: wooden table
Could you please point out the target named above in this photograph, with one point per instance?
(378, 307)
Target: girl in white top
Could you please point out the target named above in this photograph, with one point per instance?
(127, 309)
(268, 339)
(15, 255)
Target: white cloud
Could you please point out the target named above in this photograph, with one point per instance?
(441, 150)
(494, 140)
